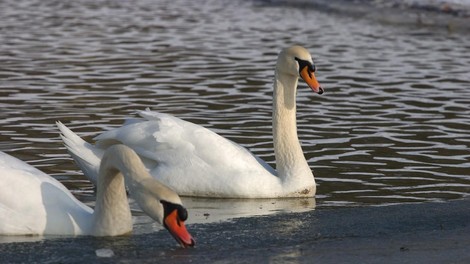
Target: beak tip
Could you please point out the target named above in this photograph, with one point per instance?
(188, 245)
(192, 244)
(320, 90)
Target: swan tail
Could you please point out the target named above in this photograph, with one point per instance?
(87, 156)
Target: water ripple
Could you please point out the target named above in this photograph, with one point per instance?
(392, 127)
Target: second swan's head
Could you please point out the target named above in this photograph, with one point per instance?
(297, 61)
(164, 205)
(156, 199)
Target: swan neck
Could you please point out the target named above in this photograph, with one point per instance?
(112, 214)
(290, 161)
(285, 90)
(121, 167)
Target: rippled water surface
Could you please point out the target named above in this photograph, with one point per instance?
(393, 125)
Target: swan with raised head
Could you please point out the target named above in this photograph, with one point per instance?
(34, 203)
(195, 161)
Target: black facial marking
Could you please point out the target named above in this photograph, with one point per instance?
(170, 207)
(303, 64)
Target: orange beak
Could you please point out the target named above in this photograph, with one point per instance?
(309, 77)
(178, 230)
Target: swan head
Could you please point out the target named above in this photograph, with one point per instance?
(174, 215)
(164, 205)
(156, 199)
(297, 61)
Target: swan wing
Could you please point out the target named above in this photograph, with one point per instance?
(87, 156)
(188, 157)
(168, 140)
(32, 202)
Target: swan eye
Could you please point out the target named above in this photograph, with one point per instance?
(182, 213)
(304, 63)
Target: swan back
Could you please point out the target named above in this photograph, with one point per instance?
(32, 202)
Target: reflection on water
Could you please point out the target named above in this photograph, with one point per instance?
(215, 210)
(204, 210)
(393, 125)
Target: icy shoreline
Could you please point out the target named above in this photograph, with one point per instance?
(412, 233)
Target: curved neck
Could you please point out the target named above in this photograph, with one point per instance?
(119, 167)
(290, 160)
(112, 215)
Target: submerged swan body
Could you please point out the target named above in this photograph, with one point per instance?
(195, 161)
(34, 203)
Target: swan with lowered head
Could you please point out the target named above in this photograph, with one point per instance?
(195, 161)
(34, 203)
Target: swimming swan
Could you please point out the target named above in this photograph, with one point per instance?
(195, 161)
(34, 203)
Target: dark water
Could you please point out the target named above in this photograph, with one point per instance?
(408, 233)
(392, 127)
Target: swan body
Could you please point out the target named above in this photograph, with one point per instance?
(195, 161)
(34, 203)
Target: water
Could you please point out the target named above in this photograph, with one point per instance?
(392, 127)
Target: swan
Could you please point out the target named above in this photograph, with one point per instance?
(195, 161)
(34, 203)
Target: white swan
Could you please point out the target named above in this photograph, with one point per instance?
(34, 203)
(195, 161)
